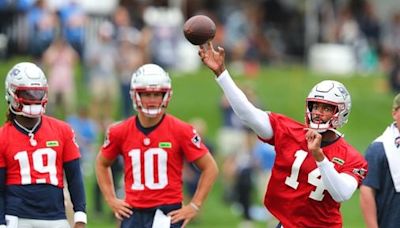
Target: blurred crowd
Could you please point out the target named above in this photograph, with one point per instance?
(62, 36)
(254, 32)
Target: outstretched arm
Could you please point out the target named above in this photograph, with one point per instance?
(255, 118)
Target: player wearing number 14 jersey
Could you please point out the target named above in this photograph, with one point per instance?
(153, 145)
(35, 151)
(315, 168)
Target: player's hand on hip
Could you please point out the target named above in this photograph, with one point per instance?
(185, 213)
(314, 144)
(213, 59)
(121, 208)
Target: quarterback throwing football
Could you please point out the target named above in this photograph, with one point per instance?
(315, 168)
(153, 145)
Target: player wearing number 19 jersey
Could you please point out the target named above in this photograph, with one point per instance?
(34, 173)
(315, 169)
(153, 145)
(35, 151)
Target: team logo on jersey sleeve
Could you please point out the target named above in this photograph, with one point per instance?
(107, 139)
(360, 172)
(74, 139)
(196, 140)
(106, 142)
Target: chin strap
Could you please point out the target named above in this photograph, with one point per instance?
(336, 131)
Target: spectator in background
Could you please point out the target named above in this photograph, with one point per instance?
(60, 60)
(131, 55)
(392, 51)
(101, 61)
(245, 39)
(232, 142)
(392, 34)
(244, 181)
(86, 131)
(264, 154)
(163, 32)
(370, 26)
(42, 24)
(191, 174)
(348, 32)
(73, 20)
(380, 190)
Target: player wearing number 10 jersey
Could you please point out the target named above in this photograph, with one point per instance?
(315, 168)
(35, 150)
(153, 167)
(154, 146)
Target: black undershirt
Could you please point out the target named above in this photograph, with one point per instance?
(147, 130)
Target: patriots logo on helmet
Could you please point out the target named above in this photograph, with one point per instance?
(15, 72)
(343, 91)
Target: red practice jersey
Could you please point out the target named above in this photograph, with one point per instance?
(153, 163)
(40, 164)
(296, 195)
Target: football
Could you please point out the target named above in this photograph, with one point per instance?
(199, 29)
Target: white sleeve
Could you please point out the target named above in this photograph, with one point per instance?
(255, 118)
(340, 186)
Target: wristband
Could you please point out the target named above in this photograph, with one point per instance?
(194, 206)
(80, 216)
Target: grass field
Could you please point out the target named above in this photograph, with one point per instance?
(281, 89)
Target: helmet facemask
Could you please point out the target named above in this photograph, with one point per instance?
(29, 102)
(316, 122)
(26, 90)
(151, 112)
(150, 78)
(332, 93)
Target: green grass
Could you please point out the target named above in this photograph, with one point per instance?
(280, 89)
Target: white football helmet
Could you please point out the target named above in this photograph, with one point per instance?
(26, 90)
(150, 78)
(333, 93)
